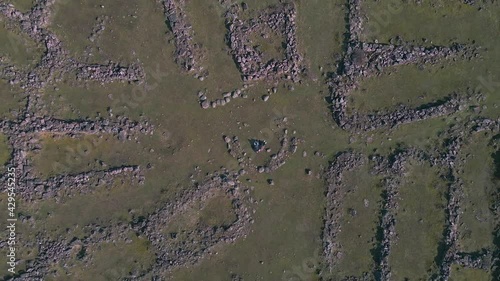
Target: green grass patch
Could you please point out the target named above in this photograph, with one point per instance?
(284, 238)
(22, 5)
(419, 224)
(66, 155)
(5, 150)
(439, 23)
(19, 49)
(11, 98)
(320, 31)
(209, 32)
(133, 31)
(477, 227)
(270, 46)
(460, 273)
(409, 86)
(109, 261)
(361, 209)
(218, 212)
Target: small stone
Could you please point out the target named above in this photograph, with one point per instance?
(265, 97)
(205, 104)
(270, 181)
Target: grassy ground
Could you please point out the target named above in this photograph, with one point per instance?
(279, 243)
(16, 47)
(24, 238)
(109, 261)
(209, 30)
(271, 47)
(285, 238)
(477, 220)
(134, 30)
(459, 273)
(359, 228)
(217, 212)
(22, 5)
(320, 27)
(11, 100)
(65, 155)
(4, 150)
(440, 24)
(419, 224)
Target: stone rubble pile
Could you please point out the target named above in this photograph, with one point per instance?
(362, 60)
(98, 28)
(288, 147)
(187, 53)
(111, 72)
(457, 137)
(226, 98)
(56, 61)
(279, 20)
(171, 250)
(335, 194)
(393, 169)
(24, 132)
(67, 186)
